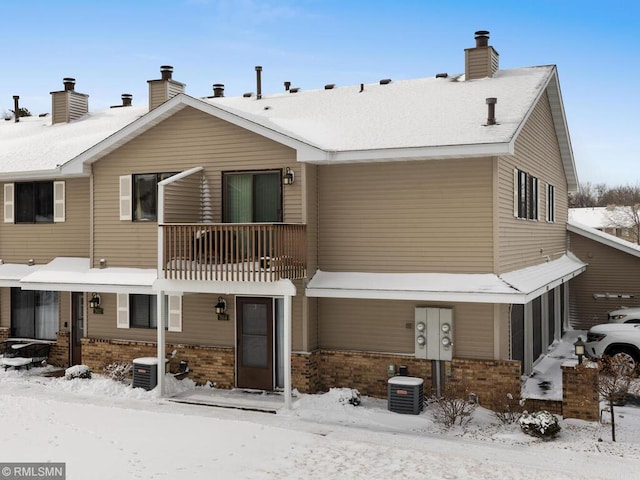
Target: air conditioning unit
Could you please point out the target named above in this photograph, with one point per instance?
(145, 372)
(405, 395)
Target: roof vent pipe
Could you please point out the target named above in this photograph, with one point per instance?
(482, 38)
(166, 72)
(491, 107)
(218, 90)
(127, 98)
(16, 108)
(258, 82)
(69, 84)
(287, 86)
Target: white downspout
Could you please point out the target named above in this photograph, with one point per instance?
(287, 351)
(160, 306)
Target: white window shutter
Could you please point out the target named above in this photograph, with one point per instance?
(516, 193)
(125, 197)
(123, 311)
(9, 210)
(174, 312)
(58, 202)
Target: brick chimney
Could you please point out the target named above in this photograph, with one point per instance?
(67, 104)
(482, 60)
(163, 89)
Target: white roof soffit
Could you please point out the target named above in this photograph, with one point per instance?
(275, 289)
(73, 274)
(604, 238)
(517, 287)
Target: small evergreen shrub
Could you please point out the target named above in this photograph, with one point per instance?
(77, 371)
(540, 424)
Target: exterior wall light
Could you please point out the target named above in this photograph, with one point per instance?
(578, 349)
(221, 309)
(288, 177)
(95, 304)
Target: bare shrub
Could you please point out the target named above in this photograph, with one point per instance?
(507, 408)
(454, 405)
(118, 371)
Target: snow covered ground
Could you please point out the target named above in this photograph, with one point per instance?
(103, 429)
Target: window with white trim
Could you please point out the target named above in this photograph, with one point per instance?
(34, 202)
(139, 196)
(140, 311)
(551, 203)
(34, 314)
(526, 195)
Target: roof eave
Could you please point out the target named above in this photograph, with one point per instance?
(416, 153)
(601, 237)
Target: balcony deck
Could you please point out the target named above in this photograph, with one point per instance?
(233, 252)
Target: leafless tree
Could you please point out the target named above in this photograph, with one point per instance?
(615, 375)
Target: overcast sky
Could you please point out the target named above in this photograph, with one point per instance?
(114, 47)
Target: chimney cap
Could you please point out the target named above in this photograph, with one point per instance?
(482, 38)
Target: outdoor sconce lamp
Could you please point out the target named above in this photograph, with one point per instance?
(578, 349)
(288, 177)
(221, 309)
(94, 304)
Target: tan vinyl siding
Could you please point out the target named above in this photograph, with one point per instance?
(59, 110)
(200, 325)
(78, 105)
(381, 326)
(157, 93)
(182, 200)
(188, 139)
(523, 242)
(609, 271)
(45, 241)
(480, 62)
(431, 216)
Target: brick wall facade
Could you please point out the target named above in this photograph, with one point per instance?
(59, 353)
(206, 364)
(579, 397)
(4, 334)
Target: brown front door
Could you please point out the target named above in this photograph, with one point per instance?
(255, 343)
(77, 327)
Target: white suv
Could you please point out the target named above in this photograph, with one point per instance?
(621, 340)
(625, 315)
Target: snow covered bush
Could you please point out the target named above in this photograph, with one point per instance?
(350, 396)
(118, 371)
(77, 371)
(540, 424)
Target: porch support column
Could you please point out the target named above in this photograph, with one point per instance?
(287, 351)
(160, 309)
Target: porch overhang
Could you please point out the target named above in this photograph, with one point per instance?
(517, 287)
(12, 273)
(74, 274)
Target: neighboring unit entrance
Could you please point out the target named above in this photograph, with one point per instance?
(254, 321)
(77, 327)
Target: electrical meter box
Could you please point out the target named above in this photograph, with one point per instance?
(434, 333)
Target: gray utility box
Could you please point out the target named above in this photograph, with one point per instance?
(145, 372)
(406, 394)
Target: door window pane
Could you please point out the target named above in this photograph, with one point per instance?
(253, 197)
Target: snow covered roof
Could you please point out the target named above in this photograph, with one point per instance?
(74, 274)
(520, 286)
(603, 217)
(33, 146)
(11, 273)
(425, 118)
(604, 238)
